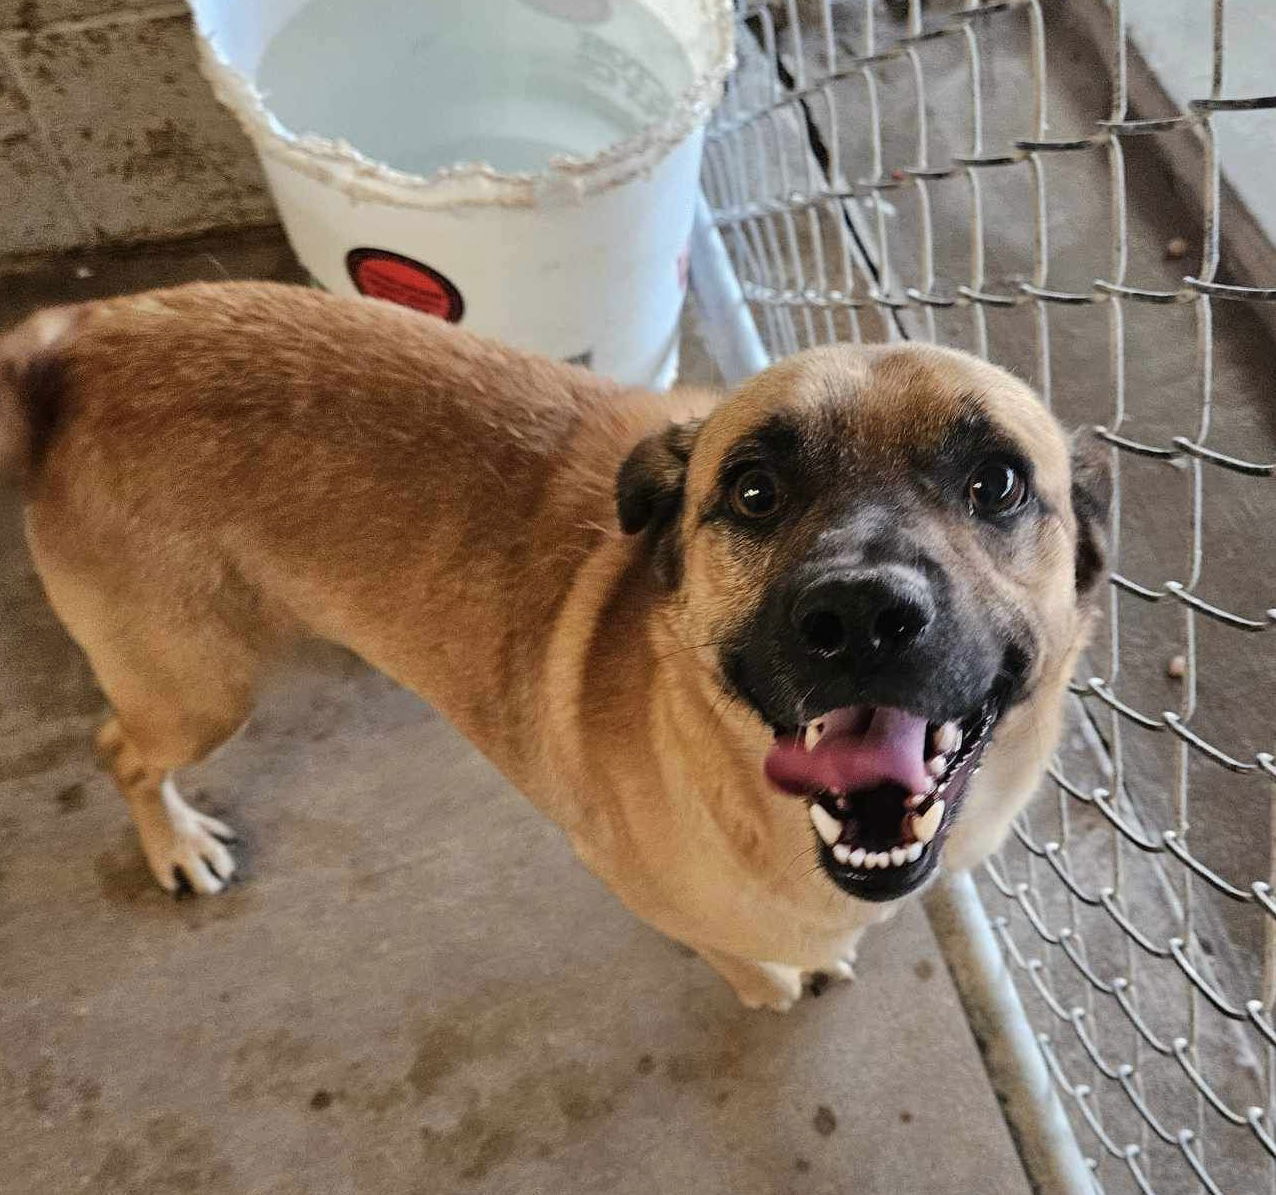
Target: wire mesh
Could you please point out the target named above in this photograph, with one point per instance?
(975, 174)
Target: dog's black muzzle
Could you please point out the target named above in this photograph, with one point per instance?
(841, 632)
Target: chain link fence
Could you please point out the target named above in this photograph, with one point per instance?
(979, 175)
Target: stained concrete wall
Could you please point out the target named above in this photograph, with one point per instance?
(108, 133)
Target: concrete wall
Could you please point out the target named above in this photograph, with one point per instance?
(1176, 39)
(108, 134)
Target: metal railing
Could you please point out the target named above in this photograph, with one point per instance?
(975, 174)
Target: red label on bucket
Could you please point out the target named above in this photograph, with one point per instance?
(380, 274)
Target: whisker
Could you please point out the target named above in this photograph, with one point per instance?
(221, 269)
(718, 710)
(803, 853)
(690, 647)
(801, 705)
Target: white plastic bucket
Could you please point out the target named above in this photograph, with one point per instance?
(581, 255)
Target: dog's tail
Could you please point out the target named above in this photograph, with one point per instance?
(32, 385)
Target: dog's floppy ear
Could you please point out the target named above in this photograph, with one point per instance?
(649, 484)
(1091, 505)
(649, 490)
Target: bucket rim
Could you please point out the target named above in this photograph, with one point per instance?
(336, 163)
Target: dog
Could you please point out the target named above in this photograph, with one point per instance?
(766, 657)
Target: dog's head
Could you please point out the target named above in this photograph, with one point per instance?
(893, 553)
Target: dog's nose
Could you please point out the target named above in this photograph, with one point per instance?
(878, 612)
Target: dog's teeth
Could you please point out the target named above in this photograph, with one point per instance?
(947, 738)
(913, 801)
(898, 855)
(915, 852)
(826, 825)
(843, 854)
(856, 857)
(814, 733)
(925, 826)
(870, 860)
(937, 765)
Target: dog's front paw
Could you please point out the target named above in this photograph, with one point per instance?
(843, 968)
(758, 984)
(776, 1003)
(769, 986)
(817, 981)
(186, 850)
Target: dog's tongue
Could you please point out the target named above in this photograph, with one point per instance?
(862, 747)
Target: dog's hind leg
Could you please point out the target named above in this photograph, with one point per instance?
(186, 850)
(758, 984)
(180, 678)
(171, 711)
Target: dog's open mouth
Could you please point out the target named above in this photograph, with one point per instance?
(884, 787)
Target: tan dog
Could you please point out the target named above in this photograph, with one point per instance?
(851, 580)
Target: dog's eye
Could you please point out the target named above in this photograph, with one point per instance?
(996, 489)
(755, 494)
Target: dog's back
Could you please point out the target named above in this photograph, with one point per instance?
(338, 453)
(198, 385)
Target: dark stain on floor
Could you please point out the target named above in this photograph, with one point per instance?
(117, 1170)
(170, 1155)
(122, 875)
(37, 760)
(71, 798)
(267, 1064)
(532, 1117)
(40, 1084)
(441, 1049)
(721, 1060)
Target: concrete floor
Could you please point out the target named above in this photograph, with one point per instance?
(415, 988)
